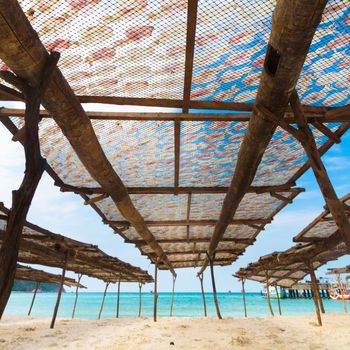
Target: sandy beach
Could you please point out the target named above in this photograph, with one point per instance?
(298, 332)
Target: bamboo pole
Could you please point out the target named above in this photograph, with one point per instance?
(80, 275)
(103, 300)
(34, 295)
(140, 298)
(278, 300)
(342, 293)
(268, 294)
(211, 261)
(34, 168)
(59, 292)
(172, 297)
(314, 294)
(118, 299)
(243, 295)
(203, 295)
(155, 292)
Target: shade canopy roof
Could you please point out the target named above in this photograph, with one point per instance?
(137, 49)
(40, 246)
(323, 226)
(27, 273)
(177, 168)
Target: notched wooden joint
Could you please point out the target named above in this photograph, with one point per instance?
(272, 60)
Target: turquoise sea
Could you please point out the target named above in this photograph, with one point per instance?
(185, 305)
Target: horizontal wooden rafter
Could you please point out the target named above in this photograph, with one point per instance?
(192, 240)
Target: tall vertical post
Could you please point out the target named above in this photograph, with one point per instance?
(243, 295)
(314, 289)
(172, 297)
(342, 293)
(34, 168)
(278, 300)
(59, 292)
(103, 300)
(268, 294)
(200, 276)
(211, 261)
(80, 275)
(140, 298)
(155, 292)
(318, 295)
(118, 299)
(34, 295)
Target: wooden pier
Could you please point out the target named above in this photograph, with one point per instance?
(304, 291)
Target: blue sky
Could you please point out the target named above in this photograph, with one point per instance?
(65, 213)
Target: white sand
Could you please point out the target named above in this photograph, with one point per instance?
(186, 333)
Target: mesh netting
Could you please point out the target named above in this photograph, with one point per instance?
(231, 43)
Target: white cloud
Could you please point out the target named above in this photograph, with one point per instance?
(334, 163)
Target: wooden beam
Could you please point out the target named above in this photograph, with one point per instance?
(326, 131)
(293, 28)
(182, 190)
(155, 298)
(192, 240)
(211, 261)
(278, 300)
(243, 295)
(34, 168)
(268, 294)
(140, 298)
(103, 300)
(189, 197)
(308, 142)
(53, 321)
(320, 116)
(118, 299)
(177, 136)
(340, 112)
(80, 275)
(205, 222)
(25, 55)
(37, 284)
(192, 8)
(96, 199)
(202, 251)
(172, 297)
(314, 289)
(281, 198)
(203, 295)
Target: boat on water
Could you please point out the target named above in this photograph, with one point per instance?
(273, 294)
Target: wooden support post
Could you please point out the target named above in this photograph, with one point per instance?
(342, 292)
(140, 298)
(172, 297)
(243, 294)
(80, 275)
(34, 168)
(37, 284)
(52, 325)
(203, 295)
(103, 300)
(278, 300)
(314, 293)
(155, 292)
(268, 294)
(118, 299)
(211, 261)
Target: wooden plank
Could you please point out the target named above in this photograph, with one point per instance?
(191, 222)
(171, 116)
(294, 25)
(192, 8)
(193, 240)
(25, 55)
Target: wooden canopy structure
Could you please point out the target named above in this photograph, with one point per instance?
(164, 180)
(26, 273)
(338, 270)
(40, 246)
(323, 226)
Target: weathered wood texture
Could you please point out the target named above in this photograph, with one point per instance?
(203, 295)
(140, 298)
(172, 297)
(23, 52)
(118, 300)
(76, 294)
(52, 325)
(34, 168)
(217, 307)
(293, 27)
(103, 300)
(278, 300)
(37, 284)
(268, 294)
(314, 292)
(155, 300)
(243, 296)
